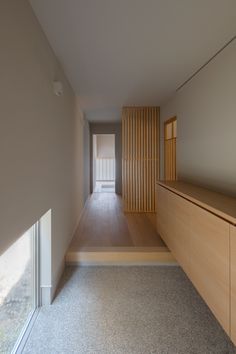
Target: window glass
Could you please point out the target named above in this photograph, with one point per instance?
(17, 289)
(175, 129)
(169, 131)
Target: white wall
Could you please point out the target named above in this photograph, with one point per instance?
(206, 125)
(86, 156)
(93, 160)
(41, 135)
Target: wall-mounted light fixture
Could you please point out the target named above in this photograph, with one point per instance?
(57, 88)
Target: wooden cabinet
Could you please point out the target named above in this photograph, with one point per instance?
(209, 262)
(163, 214)
(180, 229)
(233, 281)
(173, 214)
(204, 244)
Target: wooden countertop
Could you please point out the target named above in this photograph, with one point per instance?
(217, 203)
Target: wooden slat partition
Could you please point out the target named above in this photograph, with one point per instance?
(140, 157)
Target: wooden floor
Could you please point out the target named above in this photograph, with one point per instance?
(104, 224)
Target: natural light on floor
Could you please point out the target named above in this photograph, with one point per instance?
(16, 291)
(105, 187)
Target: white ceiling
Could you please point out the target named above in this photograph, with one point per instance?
(132, 52)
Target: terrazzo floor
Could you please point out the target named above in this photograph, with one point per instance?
(127, 310)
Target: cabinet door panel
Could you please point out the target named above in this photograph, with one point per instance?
(233, 282)
(162, 214)
(180, 229)
(209, 262)
(173, 224)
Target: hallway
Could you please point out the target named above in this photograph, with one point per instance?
(104, 224)
(127, 310)
(118, 198)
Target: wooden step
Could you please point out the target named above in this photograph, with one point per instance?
(121, 256)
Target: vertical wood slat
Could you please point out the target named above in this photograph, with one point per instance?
(128, 166)
(138, 161)
(145, 161)
(140, 157)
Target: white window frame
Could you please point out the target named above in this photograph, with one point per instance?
(24, 334)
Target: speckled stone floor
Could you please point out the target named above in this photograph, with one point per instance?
(127, 310)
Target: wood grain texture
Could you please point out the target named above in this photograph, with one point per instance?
(217, 203)
(179, 214)
(163, 215)
(140, 158)
(209, 262)
(172, 213)
(114, 256)
(104, 224)
(199, 241)
(233, 282)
